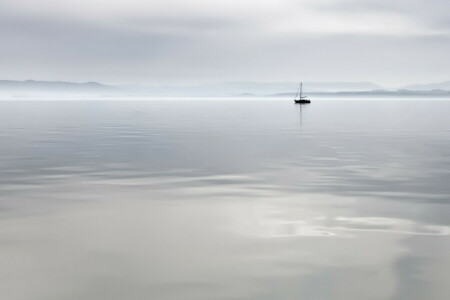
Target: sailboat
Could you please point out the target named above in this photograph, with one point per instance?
(301, 99)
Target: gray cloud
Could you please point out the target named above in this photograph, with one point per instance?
(178, 42)
(431, 15)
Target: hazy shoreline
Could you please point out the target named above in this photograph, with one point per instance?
(30, 89)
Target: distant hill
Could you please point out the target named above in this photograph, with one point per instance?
(51, 89)
(375, 93)
(32, 87)
(431, 86)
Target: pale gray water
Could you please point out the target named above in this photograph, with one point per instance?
(225, 200)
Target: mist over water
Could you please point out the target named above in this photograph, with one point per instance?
(224, 200)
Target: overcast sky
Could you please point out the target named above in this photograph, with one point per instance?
(390, 42)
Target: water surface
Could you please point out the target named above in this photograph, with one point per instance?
(224, 200)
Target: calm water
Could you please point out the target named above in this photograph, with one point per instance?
(225, 200)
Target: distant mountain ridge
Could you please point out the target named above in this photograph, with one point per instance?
(431, 86)
(53, 86)
(375, 93)
(33, 88)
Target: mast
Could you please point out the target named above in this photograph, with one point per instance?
(301, 89)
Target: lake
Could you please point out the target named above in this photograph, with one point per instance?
(203, 199)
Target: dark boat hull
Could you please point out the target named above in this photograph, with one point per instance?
(303, 101)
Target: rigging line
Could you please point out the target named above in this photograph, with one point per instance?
(297, 93)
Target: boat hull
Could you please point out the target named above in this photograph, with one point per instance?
(302, 101)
